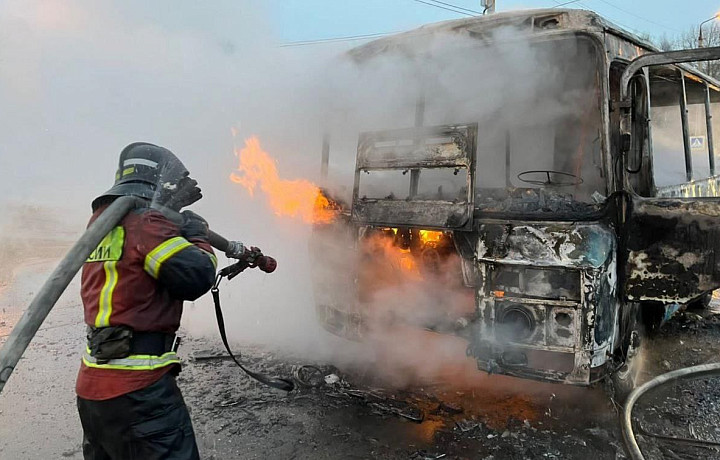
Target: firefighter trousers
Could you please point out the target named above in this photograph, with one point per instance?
(147, 424)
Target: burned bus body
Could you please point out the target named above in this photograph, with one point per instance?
(552, 214)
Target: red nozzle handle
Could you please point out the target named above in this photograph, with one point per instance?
(267, 264)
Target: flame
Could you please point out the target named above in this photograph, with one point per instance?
(386, 263)
(429, 236)
(297, 198)
(405, 260)
(397, 261)
(390, 262)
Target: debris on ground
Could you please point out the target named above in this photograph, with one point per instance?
(339, 412)
(342, 413)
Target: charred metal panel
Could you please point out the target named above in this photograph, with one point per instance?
(465, 244)
(536, 282)
(417, 147)
(471, 276)
(600, 309)
(621, 48)
(333, 257)
(426, 214)
(560, 280)
(559, 244)
(343, 323)
(414, 149)
(582, 330)
(672, 249)
(562, 326)
(537, 23)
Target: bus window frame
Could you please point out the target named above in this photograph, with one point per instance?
(709, 127)
(702, 86)
(639, 163)
(685, 127)
(682, 76)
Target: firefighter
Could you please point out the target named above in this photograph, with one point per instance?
(133, 287)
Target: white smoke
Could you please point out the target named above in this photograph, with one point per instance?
(83, 79)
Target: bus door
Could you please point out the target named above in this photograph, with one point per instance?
(671, 236)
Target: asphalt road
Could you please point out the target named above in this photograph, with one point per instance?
(356, 415)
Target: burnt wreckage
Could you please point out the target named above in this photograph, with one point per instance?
(569, 196)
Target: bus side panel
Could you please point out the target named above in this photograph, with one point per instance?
(672, 247)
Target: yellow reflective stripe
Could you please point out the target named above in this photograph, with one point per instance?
(129, 170)
(133, 362)
(165, 250)
(213, 259)
(106, 294)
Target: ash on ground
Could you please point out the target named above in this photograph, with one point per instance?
(344, 414)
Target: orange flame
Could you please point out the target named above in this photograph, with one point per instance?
(429, 236)
(393, 257)
(298, 198)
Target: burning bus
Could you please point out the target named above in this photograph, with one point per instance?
(529, 183)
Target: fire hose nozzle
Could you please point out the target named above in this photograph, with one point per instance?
(255, 258)
(248, 257)
(267, 264)
(251, 259)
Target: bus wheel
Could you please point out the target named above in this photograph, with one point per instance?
(624, 379)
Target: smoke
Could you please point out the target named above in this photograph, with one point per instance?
(537, 107)
(80, 80)
(31, 234)
(84, 79)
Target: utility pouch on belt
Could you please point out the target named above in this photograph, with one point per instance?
(112, 342)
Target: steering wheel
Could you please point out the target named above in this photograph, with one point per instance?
(556, 178)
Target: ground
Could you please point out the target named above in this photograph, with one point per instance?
(344, 413)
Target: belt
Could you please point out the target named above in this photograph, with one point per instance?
(153, 343)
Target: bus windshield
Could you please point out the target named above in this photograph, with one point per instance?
(536, 105)
(542, 151)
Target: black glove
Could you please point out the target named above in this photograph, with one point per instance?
(180, 195)
(194, 226)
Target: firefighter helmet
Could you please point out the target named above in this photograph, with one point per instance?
(145, 170)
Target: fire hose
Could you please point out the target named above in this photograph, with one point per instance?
(31, 320)
(693, 372)
(267, 265)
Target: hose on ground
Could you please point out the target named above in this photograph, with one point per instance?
(693, 372)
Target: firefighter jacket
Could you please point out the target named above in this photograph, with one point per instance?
(139, 276)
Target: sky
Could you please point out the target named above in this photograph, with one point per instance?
(315, 19)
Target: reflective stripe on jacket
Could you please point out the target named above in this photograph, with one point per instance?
(133, 362)
(141, 272)
(138, 276)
